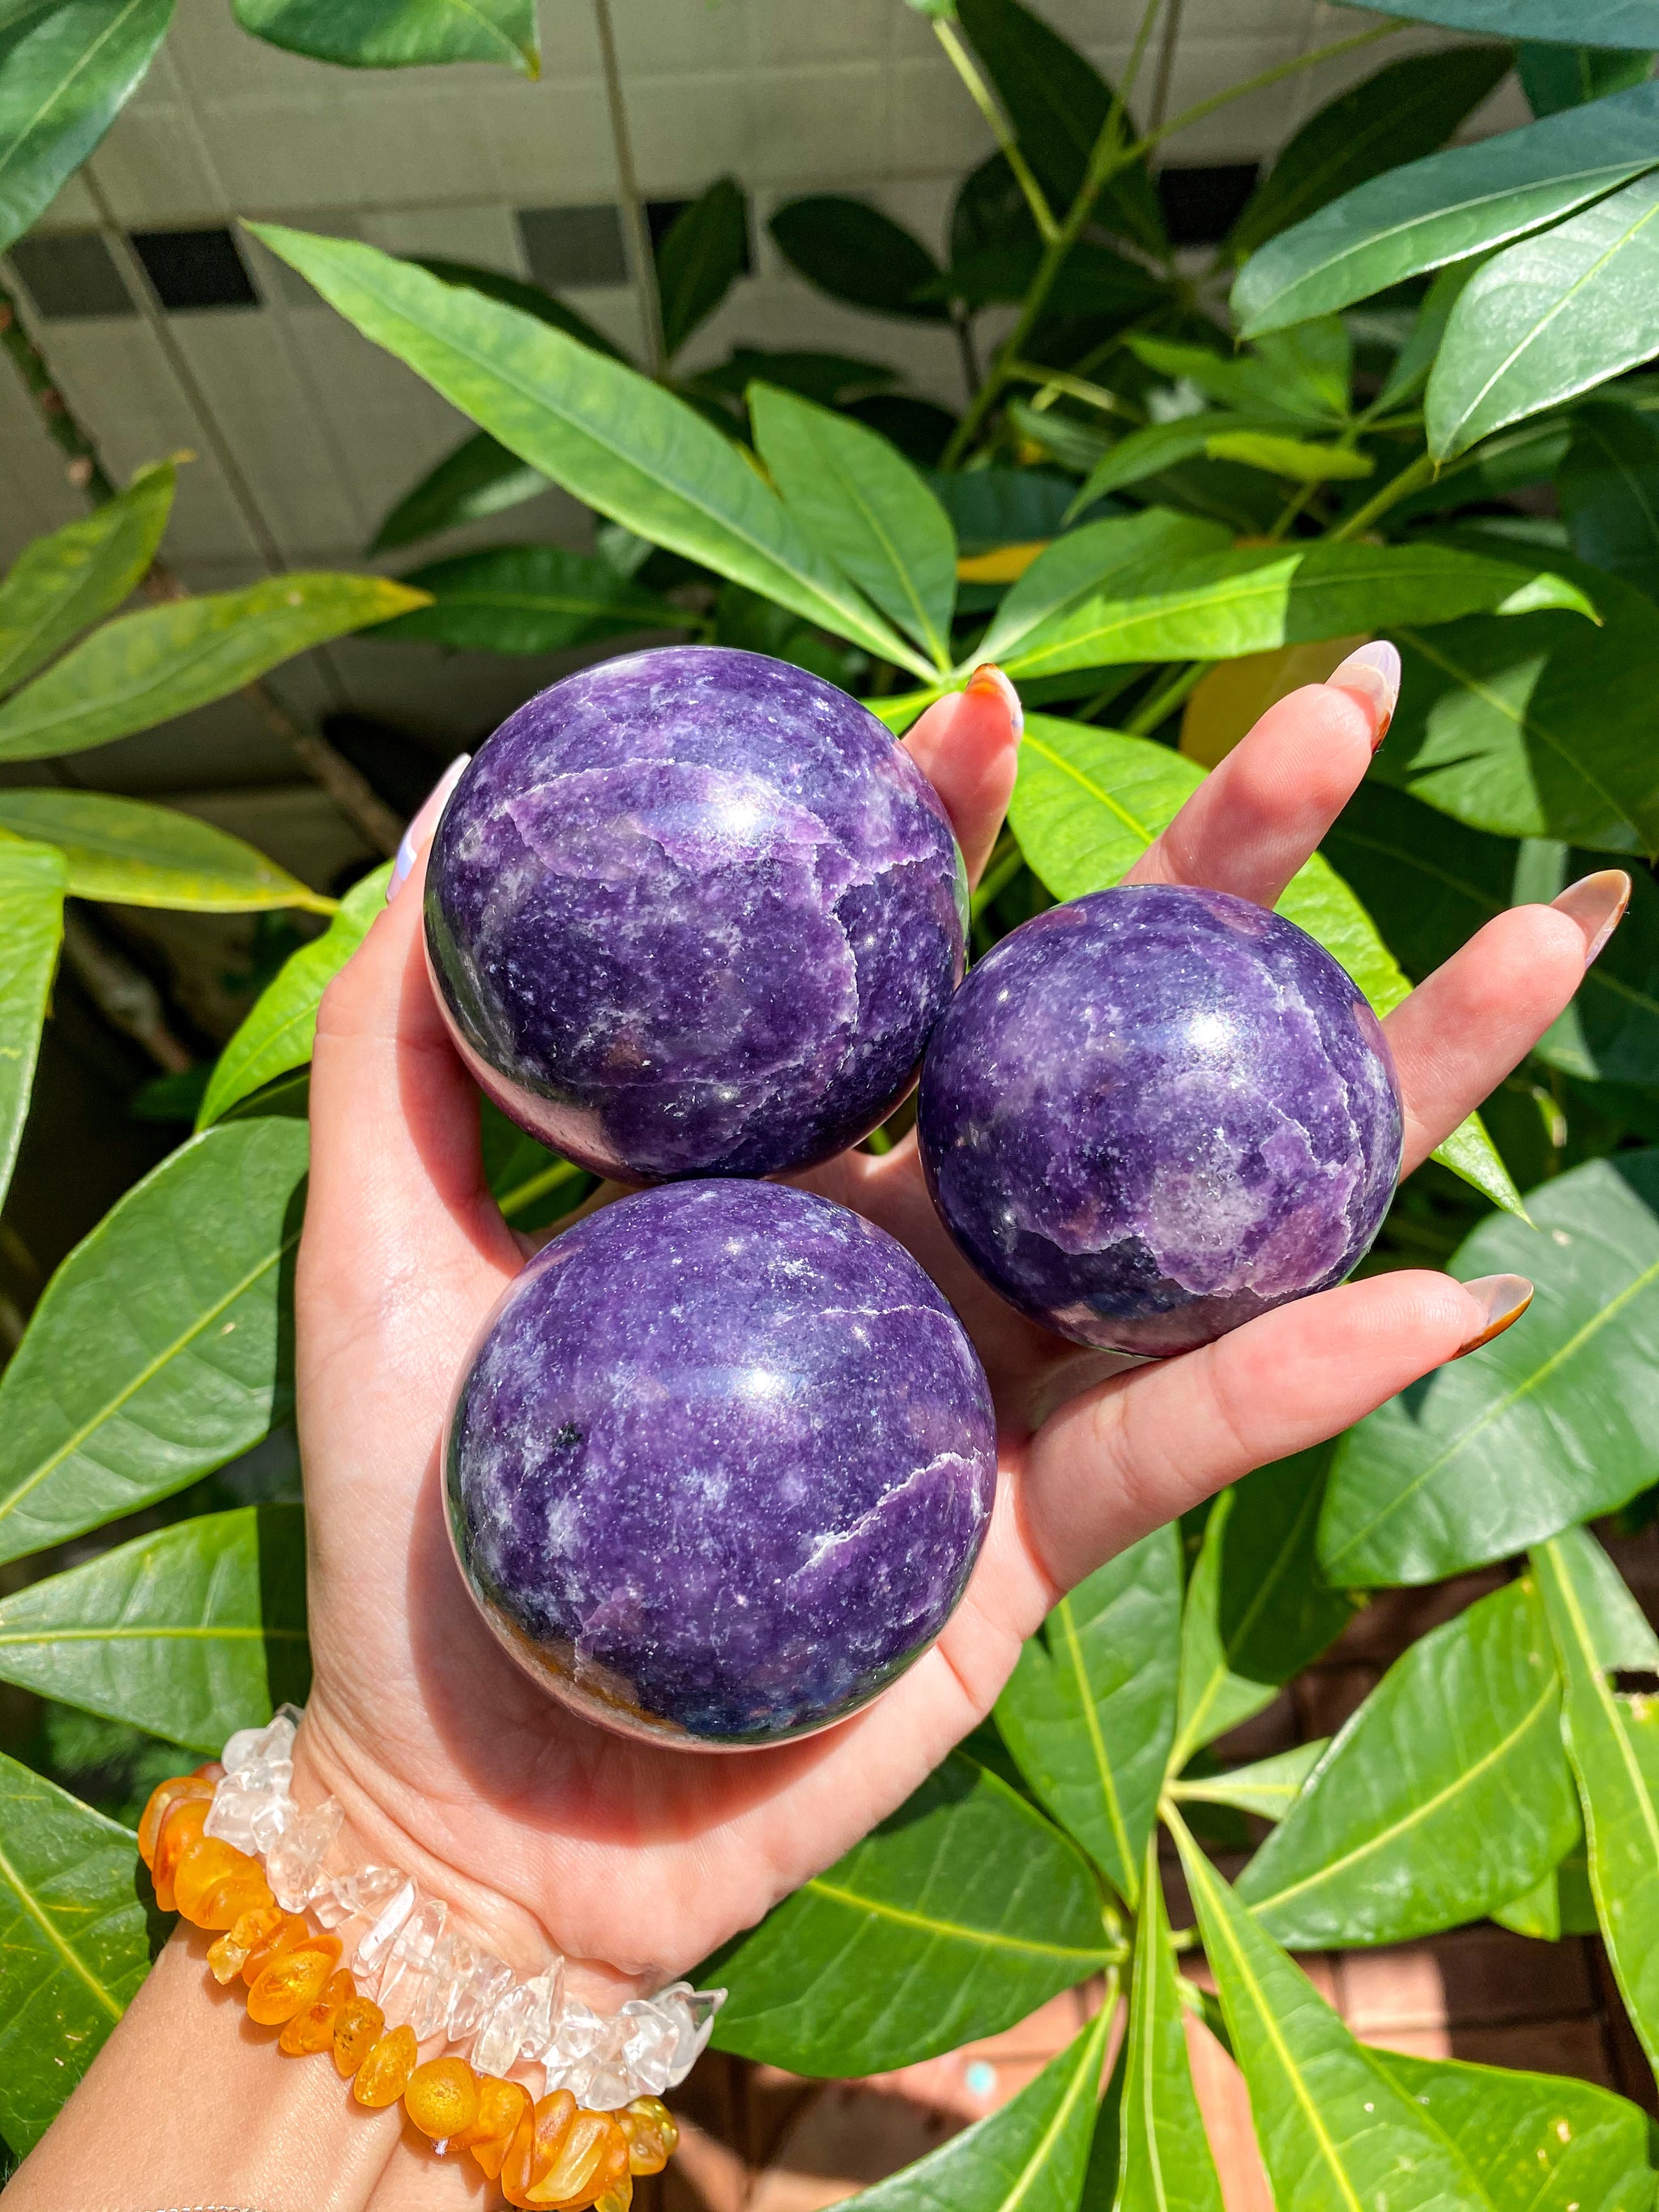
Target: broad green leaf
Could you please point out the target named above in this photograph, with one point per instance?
(1616, 22)
(1535, 727)
(857, 254)
(1089, 1711)
(1614, 1744)
(1462, 202)
(159, 1349)
(518, 292)
(1609, 487)
(1547, 318)
(609, 435)
(147, 668)
(1336, 2134)
(479, 478)
(1295, 458)
(33, 882)
(1560, 1905)
(132, 853)
(1535, 2142)
(967, 1898)
(1299, 376)
(1439, 883)
(67, 70)
(860, 501)
(1258, 1608)
(529, 599)
(1165, 2164)
(1160, 445)
(1088, 802)
(1555, 1421)
(60, 584)
(399, 33)
(74, 1944)
(1059, 103)
(1267, 1786)
(1250, 599)
(282, 1021)
(1109, 556)
(1553, 77)
(1415, 359)
(704, 253)
(189, 1632)
(1445, 1793)
(995, 507)
(1405, 111)
(831, 378)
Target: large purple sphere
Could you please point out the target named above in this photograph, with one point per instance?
(720, 1464)
(1153, 1113)
(693, 912)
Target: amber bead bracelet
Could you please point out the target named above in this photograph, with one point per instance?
(552, 2153)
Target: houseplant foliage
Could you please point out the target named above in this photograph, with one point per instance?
(1168, 496)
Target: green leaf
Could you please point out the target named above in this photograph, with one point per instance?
(609, 435)
(1404, 112)
(159, 1348)
(1028, 2157)
(1462, 202)
(1614, 1744)
(1267, 1786)
(1295, 458)
(1609, 487)
(1566, 1403)
(1533, 2141)
(994, 507)
(1148, 452)
(33, 881)
(704, 253)
(1415, 359)
(831, 378)
(1547, 318)
(147, 668)
(1059, 103)
(862, 501)
(1087, 803)
(1299, 376)
(1165, 2162)
(67, 70)
(1335, 2129)
(1089, 1711)
(1617, 22)
(966, 1898)
(1102, 558)
(479, 478)
(858, 255)
(189, 1632)
(1560, 1905)
(277, 1033)
(136, 854)
(1445, 1793)
(1253, 598)
(529, 599)
(399, 33)
(1535, 727)
(74, 1944)
(1553, 77)
(60, 584)
(518, 292)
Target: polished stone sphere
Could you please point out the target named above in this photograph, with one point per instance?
(720, 1464)
(692, 912)
(1153, 1113)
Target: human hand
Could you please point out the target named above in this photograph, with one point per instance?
(638, 1860)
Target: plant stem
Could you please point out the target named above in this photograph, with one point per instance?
(1057, 380)
(1164, 697)
(1421, 471)
(980, 92)
(1260, 82)
(639, 230)
(1166, 54)
(85, 470)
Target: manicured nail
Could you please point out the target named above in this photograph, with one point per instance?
(1374, 670)
(1597, 904)
(1504, 1298)
(422, 824)
(989, 678)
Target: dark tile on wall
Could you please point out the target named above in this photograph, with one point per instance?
(193, 270)
(574, 245)
(1201, 205)
(70, 275)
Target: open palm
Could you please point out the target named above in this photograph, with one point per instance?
(640, 1860)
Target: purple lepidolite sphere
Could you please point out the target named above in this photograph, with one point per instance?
(692, 912)
(720, 1464)
(1153, 1113)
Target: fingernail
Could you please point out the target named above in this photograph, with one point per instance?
(1503, 1299)
(989, 678)
(1597, 904)
(422, 824)
(1374, 670)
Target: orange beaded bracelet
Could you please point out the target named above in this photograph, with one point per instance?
(552, 2153)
